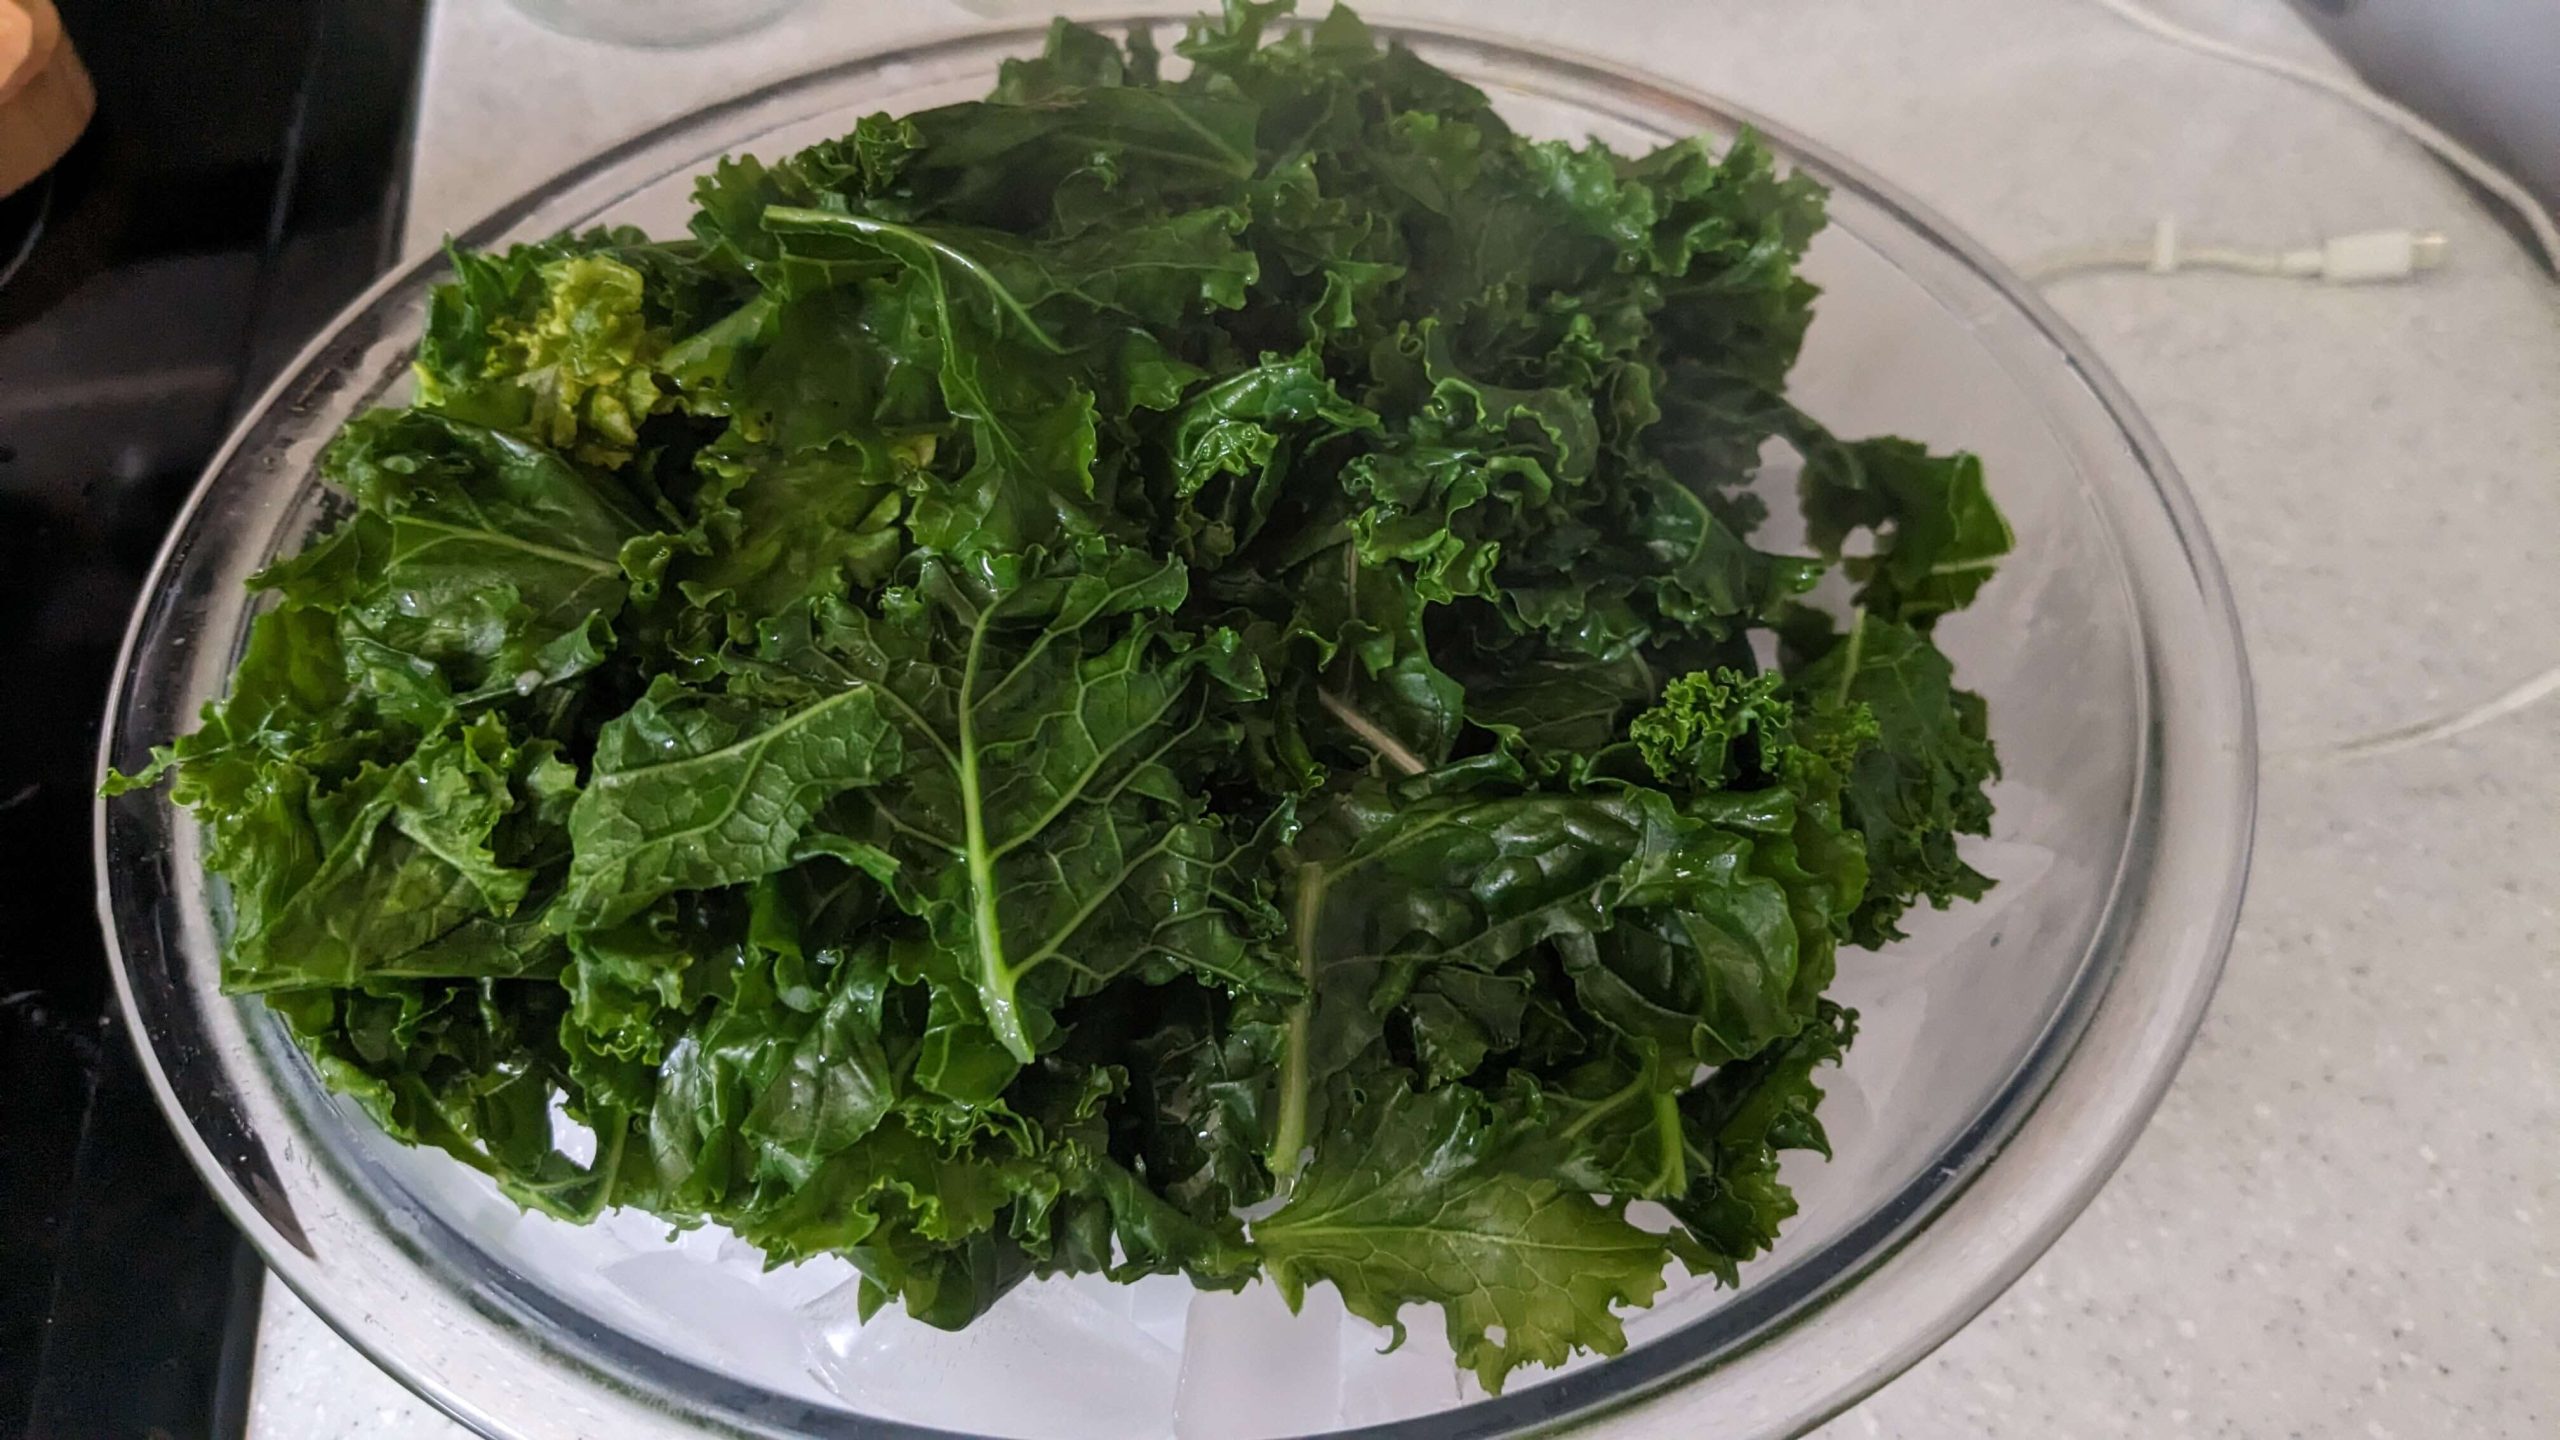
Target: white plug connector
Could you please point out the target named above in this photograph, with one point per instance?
(2374, 257)
(2370, 258)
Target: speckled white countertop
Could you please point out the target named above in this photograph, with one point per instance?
(2345, 1220)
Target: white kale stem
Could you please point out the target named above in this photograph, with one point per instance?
(1389, 748)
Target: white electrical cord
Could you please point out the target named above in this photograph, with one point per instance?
(2509, 190)
(2373, 258)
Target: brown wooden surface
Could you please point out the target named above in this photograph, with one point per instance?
(45, 96)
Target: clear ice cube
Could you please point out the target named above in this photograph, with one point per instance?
(1419, 1377)
(726, 1315)
(1252, 1370)
(1056, 1360)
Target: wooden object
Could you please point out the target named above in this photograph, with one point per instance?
(45, 95)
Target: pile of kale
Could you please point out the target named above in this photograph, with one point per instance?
(1071, 668)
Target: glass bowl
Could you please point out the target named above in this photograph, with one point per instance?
(2009, 1053)
(661, 24)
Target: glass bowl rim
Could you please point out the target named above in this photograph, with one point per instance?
(1760, 1319)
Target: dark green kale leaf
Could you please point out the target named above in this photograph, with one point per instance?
(693, 792)
(1411, 1200)
(1940, 535)
(1914, 753)
(1045, 829)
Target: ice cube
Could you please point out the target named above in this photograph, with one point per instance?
(1251, 1370)
(701, 1245)
(1160, 1304)
(785, 1287)
(1053, 1360)
(1419, 1377)
(574, 1140)
(727, 1319)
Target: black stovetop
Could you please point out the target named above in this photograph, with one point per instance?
(240, 183)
